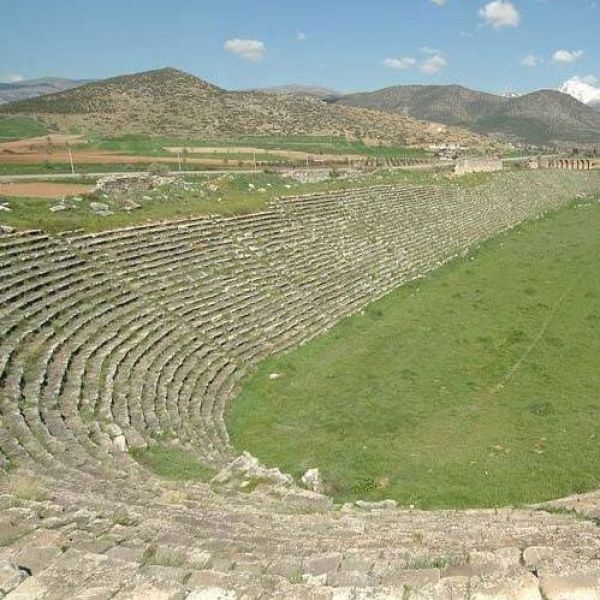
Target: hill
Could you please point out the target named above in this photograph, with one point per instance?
(32, 88)
(543, 117)
(294, 89)
(170, 102)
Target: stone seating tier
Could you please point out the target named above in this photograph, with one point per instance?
(115, 341)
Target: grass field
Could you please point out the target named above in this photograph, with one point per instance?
(51, 168)
(234, 196)
(173, 463)
(155, 146)
(14, 128)
(97, 154)
(476, 386)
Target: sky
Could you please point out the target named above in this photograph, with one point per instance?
(347, 45)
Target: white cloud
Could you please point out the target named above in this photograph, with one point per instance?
(531, 60)
(11, 78)
(252, 50)
(500, 13)
(433, 64)
(301, 36)
(585, 89)
(435, 61)
(439, 2)
(400, 64)
(429, 50)
(566, 57)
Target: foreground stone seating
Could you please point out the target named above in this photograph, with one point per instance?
(111, 342)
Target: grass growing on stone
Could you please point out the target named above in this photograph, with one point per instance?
(476, 386)
(234, 197)
(173, 463)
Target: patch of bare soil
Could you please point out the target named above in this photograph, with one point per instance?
(42, 190)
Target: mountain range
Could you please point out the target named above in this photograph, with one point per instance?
(294, 89)
(32, 88)
(543, 117)
(174, 103)
(171, 102)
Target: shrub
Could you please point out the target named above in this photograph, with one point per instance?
(158, 169)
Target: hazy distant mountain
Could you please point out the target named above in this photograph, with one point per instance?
(542, 117)
(170, 102)
(511, 94)
(294, 89)
(32, 88)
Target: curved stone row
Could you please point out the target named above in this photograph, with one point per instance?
(111, 341)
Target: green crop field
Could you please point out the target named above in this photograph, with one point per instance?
(58, 168)
(476, 386)
(14, 128)
(155, 146)
(271, 149)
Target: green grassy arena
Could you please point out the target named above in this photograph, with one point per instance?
(476, 386)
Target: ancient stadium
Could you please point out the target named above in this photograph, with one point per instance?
(121, 343)
(316, 318)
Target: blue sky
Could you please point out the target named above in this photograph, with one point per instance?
(344, 44)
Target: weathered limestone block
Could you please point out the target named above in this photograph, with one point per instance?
(351, 579)
(323, 565)
(246, 467)
(306, 501)
(507, 586)
(312, 481)
(534, 555)
(153, 590)
(119, 444)
(134, 440)
(413, 579)
(10, 577)
(213, 593)
(572, 587)
(37, 558)
(163, 573)
(383, 505)
(505, 558)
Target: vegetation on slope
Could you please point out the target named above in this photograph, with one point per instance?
(156, 146)
(18, 127)
(476, 386)
(542, 117)
(170, 102)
